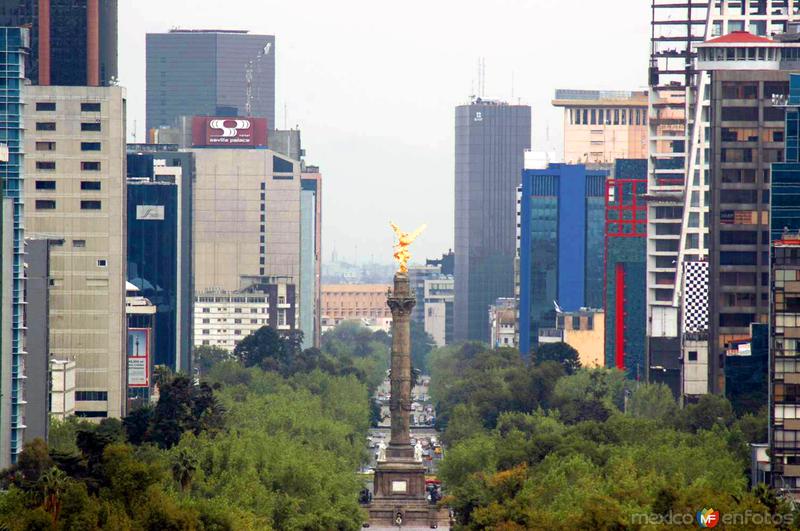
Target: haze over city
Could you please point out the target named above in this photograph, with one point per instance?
(373, 86)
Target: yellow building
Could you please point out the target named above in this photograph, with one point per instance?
(584, 331)
(602, 126)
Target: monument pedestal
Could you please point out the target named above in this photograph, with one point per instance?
(399, 491)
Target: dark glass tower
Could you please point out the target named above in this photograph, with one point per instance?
(159, 248)
(491, 140)
(562, 208)
(209, 72)
(73, 42)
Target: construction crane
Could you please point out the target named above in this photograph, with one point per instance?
(249, 71)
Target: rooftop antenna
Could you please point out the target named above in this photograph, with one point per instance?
(512, 85)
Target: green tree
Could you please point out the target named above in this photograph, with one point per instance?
(562, 353)
(421, 345)
(184, 466)
(653, 401)
(206, 356)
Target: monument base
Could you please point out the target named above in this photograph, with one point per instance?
(399, 493)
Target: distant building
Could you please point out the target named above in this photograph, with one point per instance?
(601, 126)
(286, 142)
(438, 303)
(491, 140)
(209, 72)
(583, 330)
(349, 302)
(417, 276)
(141, 315)
(75, 193)
(311, 256)
(159, 217)
(502, 323)
(626, 269)
(446, 264)
(562, 213)
(73, 42)
(223, 318)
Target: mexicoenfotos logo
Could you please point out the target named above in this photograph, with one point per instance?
(707, 518)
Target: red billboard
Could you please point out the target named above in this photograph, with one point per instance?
(226, 131)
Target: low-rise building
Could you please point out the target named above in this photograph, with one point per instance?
(503, 323)
(438, 306)
(348, 302)
(583, 330)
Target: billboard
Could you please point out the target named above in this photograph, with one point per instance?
(222, 131)
(138, 357)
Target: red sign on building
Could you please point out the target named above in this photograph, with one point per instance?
(222, 131)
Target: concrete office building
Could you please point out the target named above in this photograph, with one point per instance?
(160, 245)
(601, 126)
(625, 270)
(747, 135)
(209, 72)
(62, 388)
(246, 217)
(14, 45)
(37, 342)
(75, 192)
(311, 256)
(679, 139)
(73, 42)
(223, 318)
(438, 302)
(491, 140)
(562, 214)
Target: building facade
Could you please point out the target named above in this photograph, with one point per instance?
(562, 213)
(140, 360)
(73, 42)
(311, 256)
(601, 126)
(75, 189)
(625, 268)
(438, 297)
(347, 302)
(583, 330)
(14, 46)
(503, 323)
(491, 140)
(209, 72)
(223, 318)
(159, 195)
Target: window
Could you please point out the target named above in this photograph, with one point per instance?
(45, 146)
(90, 126)
(45, 165)
(45, 185)
(79, 243)
(90, 205)
(91, 395)
(692, 355)
(45, 106)
(45, 204)
(90, 185)
(90, 166)
(740, 114)
(90, 146)
(90, 107)
(45, 126)
(102, 263)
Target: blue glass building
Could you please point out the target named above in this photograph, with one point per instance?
(14, 45)
(159, 246)
(561, 247)
(785, 187)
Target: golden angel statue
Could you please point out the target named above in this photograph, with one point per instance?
(404, 239)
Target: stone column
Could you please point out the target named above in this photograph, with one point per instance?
(401, 301)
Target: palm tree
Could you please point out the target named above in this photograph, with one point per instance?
(184, 466)
(53, 484)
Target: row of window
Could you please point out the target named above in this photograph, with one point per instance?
(91, 395)
(608, 116)
(85, 146)
(85, 126)
(85, 185)
(86, 106)
(235, 321)
(50, 204)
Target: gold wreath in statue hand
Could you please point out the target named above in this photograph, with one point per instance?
(404, 239)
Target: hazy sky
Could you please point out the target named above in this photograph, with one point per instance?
(373, 86)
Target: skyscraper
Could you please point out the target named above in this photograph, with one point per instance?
(209, 72)
(562, 212)
(14, 44)
(625, 257)
(160, 246)
(491, 140)
(75, 191)
(73, 42)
